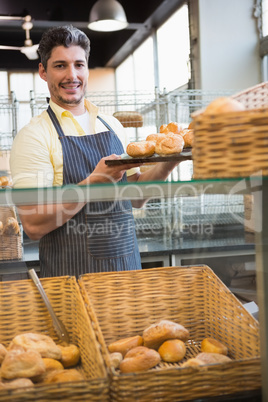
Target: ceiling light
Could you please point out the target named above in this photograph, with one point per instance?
(107, 16)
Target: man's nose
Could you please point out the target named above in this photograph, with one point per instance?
(71, 72)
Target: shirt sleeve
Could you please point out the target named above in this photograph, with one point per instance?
(30, 162)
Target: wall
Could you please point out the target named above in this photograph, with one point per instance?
(228, 45)
(101, 79)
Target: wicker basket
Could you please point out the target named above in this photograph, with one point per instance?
(22, 310)
(10, 245)
(233, 144)
(124, 304)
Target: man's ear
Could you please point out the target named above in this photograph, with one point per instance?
(42, 72)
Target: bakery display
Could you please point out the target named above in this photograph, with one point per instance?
(129, 118)
(163, 330)
(172, 351)
(211, 345)
(139, 149)
(124, 345)
(140, 358)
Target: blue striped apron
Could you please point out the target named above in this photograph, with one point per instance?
(101, 237)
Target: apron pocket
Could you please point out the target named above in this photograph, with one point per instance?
(110, 235)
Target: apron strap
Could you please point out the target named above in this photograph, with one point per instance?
(106, 124)
(58, 128)
(55, 122)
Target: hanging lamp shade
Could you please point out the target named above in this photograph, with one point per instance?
(107, 16)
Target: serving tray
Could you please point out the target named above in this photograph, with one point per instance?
(186, 154)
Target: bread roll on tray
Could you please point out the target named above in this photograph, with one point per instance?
(138, 149)
(170, 145)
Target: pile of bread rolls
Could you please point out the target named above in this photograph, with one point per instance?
(35, 358)
(9, 227)
(171, 140)
(163, 341)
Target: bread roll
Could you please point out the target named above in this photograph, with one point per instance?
(211, 358)
(3, 352)
(129, 119)
(139, 359)
(11, 227)
(174, 127)
(172, 351)
(38, 342)
(4, 181)
(17, 383)
(193, 362)
(156, 334)
(155, 137)
(22, 364)
(124, 345)
(70, 355)
(50, 365)
(188, 138)
(170, 145)
(163, 128)
(224, 104)
(138, 149)
(211, 345)
(116, 359)
(70, 375)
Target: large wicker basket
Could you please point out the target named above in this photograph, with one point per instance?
(22, 310)
(124, 304)
(10, 245)
(233, 144)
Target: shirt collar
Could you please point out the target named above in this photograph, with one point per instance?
(59, 111)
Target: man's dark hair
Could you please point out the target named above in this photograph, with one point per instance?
(62, 36)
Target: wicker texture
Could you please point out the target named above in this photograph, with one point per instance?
(22, 310)
(10, 245)
(233, 144)
(124, 304)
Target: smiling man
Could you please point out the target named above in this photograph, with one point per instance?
(68, 144)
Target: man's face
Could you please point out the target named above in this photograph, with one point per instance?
(66, 76)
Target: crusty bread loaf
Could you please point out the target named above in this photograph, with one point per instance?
(157, 333)
(17, 383)
(124, 345)
(38, 342)
(19, 363)
(139, 149)
(139, 359)
(170, 145)
(129, 118)
(172, 350)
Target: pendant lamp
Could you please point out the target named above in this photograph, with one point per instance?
(107, 16)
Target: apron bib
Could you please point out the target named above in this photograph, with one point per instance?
(101, 237)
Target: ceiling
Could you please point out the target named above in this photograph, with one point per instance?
(108, 49)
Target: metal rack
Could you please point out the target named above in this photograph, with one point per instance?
(9, 117)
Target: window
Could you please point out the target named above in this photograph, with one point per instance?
(173, 45)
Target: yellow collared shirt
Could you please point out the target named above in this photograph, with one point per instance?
(36, 156)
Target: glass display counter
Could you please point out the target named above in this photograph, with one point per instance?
(182, 223)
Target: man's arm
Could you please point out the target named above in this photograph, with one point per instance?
(38, 220)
